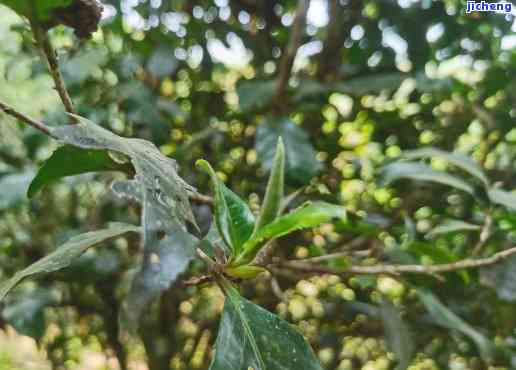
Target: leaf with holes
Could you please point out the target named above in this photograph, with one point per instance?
(162, 264)
(163, 193)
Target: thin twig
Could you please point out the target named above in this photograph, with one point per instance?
(331, 256)
(198, 280)
(44, 44)
(199, 198)
(468, 263)
(7, 109)
(289, 54)
(485, 233)
(276, 289)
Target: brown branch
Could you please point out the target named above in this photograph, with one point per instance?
(329, 57)
(331, 256)
(341, 20)
(433, 270)
(198, 280)
(45, 46)
(199, 198)
(7, 109)
(289, 54)
(485, 233)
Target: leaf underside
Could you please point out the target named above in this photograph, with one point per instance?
(66, 254)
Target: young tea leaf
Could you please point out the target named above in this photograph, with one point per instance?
(310, 215)
(232, 215)
(275, 189)
(251, 337)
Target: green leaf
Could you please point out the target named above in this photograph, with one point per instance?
(41, 8)
(275, 189)
(255, 94)
(444, 317)
(69, 161)
(457, 159)
(251, 337)
(162, 264)
(157, 185)
(307, 216)
(25, 312)
(451, 226)
(232, 215)
(300, 160)
(501, 278)
(66, 254)
(359, 86)
(399, 340)
(13, 188)
(244, 272)
(421, 172)
(503, 198)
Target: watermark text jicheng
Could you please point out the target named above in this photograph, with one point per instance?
(486, 6)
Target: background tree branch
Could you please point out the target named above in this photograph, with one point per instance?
(289, 54)
(469, 263)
